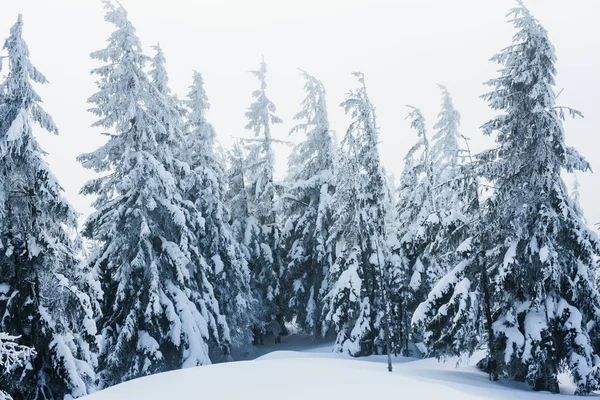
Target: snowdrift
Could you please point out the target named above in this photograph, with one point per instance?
(319, 374)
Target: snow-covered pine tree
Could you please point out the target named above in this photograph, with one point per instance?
(356, 307)
(309, 210)
(160, 80)
(158, 72)
(265, 261)
(454, 188)
(42, 298)
(416, 202)
(436, 198)
(413, 266)
(575, 195)
(159, 310)
(205, 186)
(237, 196)
(448, 160)
(530, 276)
(543, 254)
(12, 355)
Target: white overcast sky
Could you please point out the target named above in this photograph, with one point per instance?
(404, 47)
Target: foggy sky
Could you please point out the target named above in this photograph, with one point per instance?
(404, 48)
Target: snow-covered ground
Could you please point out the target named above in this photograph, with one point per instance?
(300, 369)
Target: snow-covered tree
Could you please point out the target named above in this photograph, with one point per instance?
(448, 159)
(532, 251)
(205, 185)
(237, 196)
(356, 305)
(262, 230)
(413, 267)
(416, 203)
(545, 255)
(44, 297)
(435, 199)
(159, 310)
(158, 72)
(309, 209)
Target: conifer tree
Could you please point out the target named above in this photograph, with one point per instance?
(205, 186)
(159, 310)
(45, 298)
(413, 265)
(532, 253)
(356, 305)
(262, 229)
(309, 209)
(448, 159)
(237, 196)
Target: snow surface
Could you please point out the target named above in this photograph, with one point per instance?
(303, 369)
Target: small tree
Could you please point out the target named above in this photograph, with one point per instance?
(356, 305)
(309, 209)
(262, 227)
(205, 186)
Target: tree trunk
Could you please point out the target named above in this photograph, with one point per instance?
(491, 361)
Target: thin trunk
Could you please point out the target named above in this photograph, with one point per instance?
(386, 312)
(491, 362)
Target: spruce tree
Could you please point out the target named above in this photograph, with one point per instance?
(448, 159)
(45, 298)
(205, 185)
(237, 196)
(262, 228)
(413, 265)
(159, 310)
(435, 202)
(309, 208)
(544, 253)
(356, 305)
(530, 276)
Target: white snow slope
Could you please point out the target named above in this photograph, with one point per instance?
(316, 373)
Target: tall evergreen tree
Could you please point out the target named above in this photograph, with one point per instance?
(542, 308)
(412, 263)
(262, 230)
(309, 209)
(159, 310)
(205, 186)
(436, 198)
(356, 306)
(43, 300)
(416, 203)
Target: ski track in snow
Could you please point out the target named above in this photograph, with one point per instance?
(300, 368)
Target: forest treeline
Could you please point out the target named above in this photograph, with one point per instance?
(194, 255)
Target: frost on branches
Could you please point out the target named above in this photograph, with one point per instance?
(530, 272)
(205, 186)
(11, 355)
(544, 255)
(159, 310)
(262, 233)
(356, 306)
(308, 210)
(44, 291)
(415, 267)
